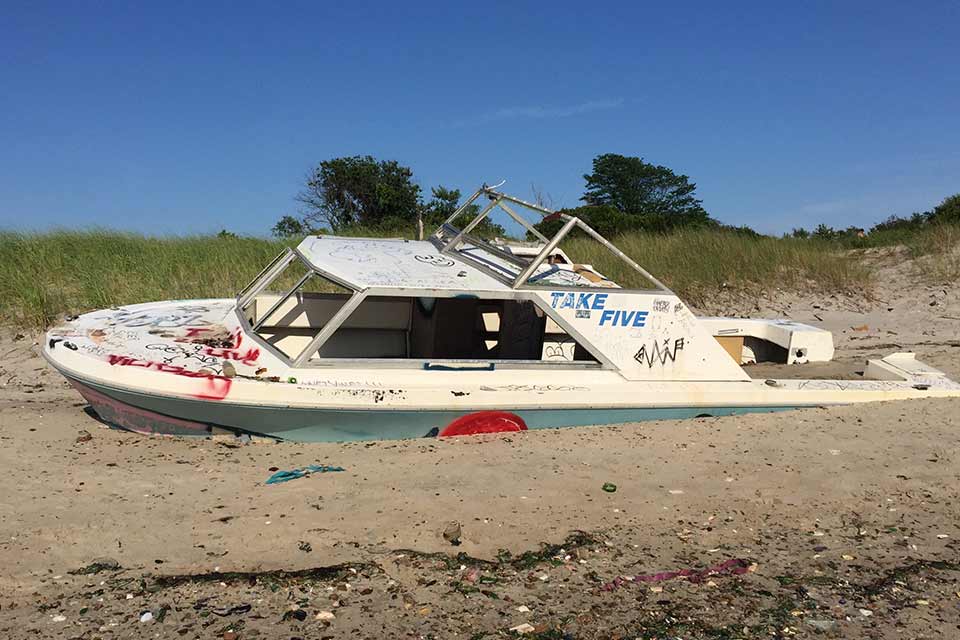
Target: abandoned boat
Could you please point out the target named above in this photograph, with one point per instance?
(358, 338)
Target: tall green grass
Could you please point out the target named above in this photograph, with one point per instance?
(44, 276)
(697, 263)
(938, 250)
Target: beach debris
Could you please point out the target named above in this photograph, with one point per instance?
(286, 476)
(523, 628)
(609, 487)
(866, 613)
(230, 634)
(84, 436)
(294, 614)
(59, 618)
(822, 624)
(452, 533)
(231, 611)
(325, 615)
(734, 566)
(861, 328)
(98, 565)
(228, 440)
(229, 371)
(304, 546)
(147, 616)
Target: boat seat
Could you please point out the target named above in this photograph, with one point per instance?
(521, 331)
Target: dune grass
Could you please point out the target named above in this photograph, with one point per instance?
(939, 249)
(698, 262)
(44, 276)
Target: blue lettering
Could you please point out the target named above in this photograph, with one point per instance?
(623, 318)
(599, 300)
(583, 301)
(568, 301)
(556, 295)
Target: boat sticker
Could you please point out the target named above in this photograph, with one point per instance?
(584, 303)
(621, 318)
(560, 300)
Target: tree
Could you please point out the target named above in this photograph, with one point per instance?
(948, 210)
(663, 199)
(605, 219)
(288, 227)
(896, 223)
(360, 190)
(442, 205)
(825, 232)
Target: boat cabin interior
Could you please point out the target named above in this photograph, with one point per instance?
(416, 328)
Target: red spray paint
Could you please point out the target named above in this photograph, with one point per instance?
(216, 387)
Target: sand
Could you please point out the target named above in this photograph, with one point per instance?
(837, 522)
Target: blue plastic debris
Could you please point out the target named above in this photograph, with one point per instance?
(284, 476)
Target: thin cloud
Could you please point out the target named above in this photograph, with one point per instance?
(540, 112)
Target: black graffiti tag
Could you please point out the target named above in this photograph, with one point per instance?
(172, 353)
(659, 353)
(437, 261)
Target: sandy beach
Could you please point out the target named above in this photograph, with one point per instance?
(837, 522)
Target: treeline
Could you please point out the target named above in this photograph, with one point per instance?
(947, 212)
(362, 195)
(622, 194)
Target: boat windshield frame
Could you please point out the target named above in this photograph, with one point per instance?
(442, 240)
(358, 294)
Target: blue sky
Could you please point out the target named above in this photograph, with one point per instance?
(191, 117)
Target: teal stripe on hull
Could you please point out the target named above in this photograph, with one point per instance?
(335, 425)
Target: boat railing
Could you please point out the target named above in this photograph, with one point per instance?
(497, 199)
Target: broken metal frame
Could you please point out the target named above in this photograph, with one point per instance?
(497, 199)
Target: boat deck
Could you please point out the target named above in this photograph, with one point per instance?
(833, 370)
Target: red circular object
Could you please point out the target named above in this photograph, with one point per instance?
(484, 422)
